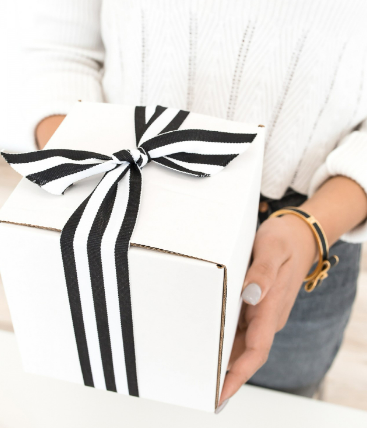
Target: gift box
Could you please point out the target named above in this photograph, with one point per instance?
(168, 334)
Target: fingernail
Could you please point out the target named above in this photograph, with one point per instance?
(251, 294)
(221, 407)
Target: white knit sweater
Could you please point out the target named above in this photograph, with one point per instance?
(298, 67)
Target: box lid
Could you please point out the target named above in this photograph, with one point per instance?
(199, 217)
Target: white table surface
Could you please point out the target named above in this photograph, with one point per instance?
(29, 401)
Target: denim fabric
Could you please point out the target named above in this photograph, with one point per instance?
(304, 350)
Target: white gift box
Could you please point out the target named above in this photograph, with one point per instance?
(189, 254)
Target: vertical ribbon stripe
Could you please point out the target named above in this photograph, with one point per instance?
(95, 240)
(123, 280)
(71, 278)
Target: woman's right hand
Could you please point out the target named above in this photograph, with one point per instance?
(46, 128)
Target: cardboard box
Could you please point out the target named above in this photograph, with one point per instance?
(188, 258)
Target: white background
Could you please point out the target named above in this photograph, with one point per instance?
(13, 28)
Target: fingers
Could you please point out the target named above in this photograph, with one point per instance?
(253, 343)
(269, 254)
(259, 338)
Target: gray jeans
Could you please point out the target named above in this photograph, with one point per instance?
(304, 350)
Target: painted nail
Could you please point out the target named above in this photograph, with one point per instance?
(221, 407)
(251, 294)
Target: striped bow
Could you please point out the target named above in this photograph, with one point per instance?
(96, 238)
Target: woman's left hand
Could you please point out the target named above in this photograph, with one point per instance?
(284, 250)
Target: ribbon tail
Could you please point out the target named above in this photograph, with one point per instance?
(81, 246)
(123, 278)
(71, 278)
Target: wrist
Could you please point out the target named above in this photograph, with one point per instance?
(325, 261)
(339, 205)
(302, 234)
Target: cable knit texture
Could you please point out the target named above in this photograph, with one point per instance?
(299, 68)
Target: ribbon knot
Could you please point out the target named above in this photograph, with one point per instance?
(138, 156)
(95, 240)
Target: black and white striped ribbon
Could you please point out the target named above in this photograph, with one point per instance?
(95, 240)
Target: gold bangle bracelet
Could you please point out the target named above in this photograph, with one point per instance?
(325, 262)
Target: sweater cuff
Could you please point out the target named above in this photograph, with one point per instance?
(60, 91)
(350, 160)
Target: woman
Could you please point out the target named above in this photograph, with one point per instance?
(298, 68)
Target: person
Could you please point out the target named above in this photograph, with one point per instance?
(299, 68)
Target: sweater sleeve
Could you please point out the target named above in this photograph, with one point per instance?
(63, 56)
(348, 159)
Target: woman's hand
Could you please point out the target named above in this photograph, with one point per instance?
(284, 250)
(46, 128)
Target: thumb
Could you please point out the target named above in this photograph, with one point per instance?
(268, 256)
